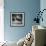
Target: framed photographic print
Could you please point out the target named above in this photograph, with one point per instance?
(17, 19)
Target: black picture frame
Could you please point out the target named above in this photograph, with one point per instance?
(17, 19)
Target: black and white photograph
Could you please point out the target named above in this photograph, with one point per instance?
(17, 19)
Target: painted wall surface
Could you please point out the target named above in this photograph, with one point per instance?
(43, 6)
(30, 7)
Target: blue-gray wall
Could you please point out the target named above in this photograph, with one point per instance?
(43, 6)
(30, 7)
